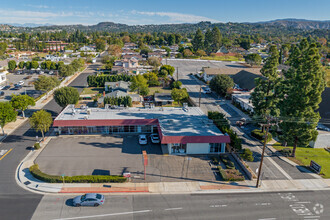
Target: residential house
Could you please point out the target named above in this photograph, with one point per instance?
(163, 99)
(130, 46)
(243, 99)
(87, 49)
(127, 63)
(113, 86)
(243, 77)
(136, 98)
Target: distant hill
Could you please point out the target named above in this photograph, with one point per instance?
(273, 28)
(299, 23)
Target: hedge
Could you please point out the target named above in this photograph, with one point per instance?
(230, 174)
(261, 135)
(98, 81)
(37, 173)
(36, 146)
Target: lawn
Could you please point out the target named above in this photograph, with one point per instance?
(91, 90)
(304, 155)
(222, 58)
(159, 89)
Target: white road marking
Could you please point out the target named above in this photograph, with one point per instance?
(2, 152)
(217, 206)
(169, 209)
(266, 218)
(112, 214)
(304, 202)
(312, 217)
(265, 203)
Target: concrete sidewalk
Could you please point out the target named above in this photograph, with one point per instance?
(27, 181)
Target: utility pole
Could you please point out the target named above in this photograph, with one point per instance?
(267, 125)
(200, 95)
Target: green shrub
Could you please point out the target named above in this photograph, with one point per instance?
(215, 160)
(247, 155)
(261, 135)
(230, 174)
(36, 146)
(226, 160)
(286, 152)
(36, 172)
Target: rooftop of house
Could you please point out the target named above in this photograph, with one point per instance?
(163, 97)
(189, 121)
(230, 70)
(119, 84)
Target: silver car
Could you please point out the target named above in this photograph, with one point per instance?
(89, 199)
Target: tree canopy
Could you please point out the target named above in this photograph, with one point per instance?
(253, 59)
(46, 83)
(22, 102)
(221, 83)
(7, 114)
(66, 95)
(41, 121)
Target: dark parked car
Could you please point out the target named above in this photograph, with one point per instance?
(89, 199)
(6, 87)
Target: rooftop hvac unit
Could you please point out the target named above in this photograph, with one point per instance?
(89, 111)
(85, 117)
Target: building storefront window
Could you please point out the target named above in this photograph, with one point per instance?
(215, 147)
(179, 148)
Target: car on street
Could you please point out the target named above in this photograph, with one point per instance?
(207, 90)
(2, 93)
(154, 139)
(143, 139)
(1, 87)
(20, 83)
(89, 199)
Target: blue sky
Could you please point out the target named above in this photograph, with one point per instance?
(159, 12)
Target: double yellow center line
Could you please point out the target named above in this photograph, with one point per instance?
(6, 154)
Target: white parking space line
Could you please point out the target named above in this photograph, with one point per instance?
(104, 215)
(173, 209)
(266, 218)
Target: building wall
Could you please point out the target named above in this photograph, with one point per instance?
(198, 148)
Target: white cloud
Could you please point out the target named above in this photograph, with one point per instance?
(37, 6)
(177, 17)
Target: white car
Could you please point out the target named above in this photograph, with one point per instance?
(1, 87)
(20, 83)
(155, 138)
(143, 139)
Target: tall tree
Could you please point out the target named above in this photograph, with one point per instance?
(45, 83)
(301, 94)
(198, 41)
(216, 39)
(7, 114)
(22, 102)
(41, 121)
(208, 41)
(12, 65)
(66, 95)
(139, 84)
(263, 97)
(179, 95)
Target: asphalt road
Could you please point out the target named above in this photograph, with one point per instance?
(15, 202)
(273, 167)
(286, 205)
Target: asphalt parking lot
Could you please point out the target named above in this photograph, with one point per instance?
(114, 155)
(27, 87)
